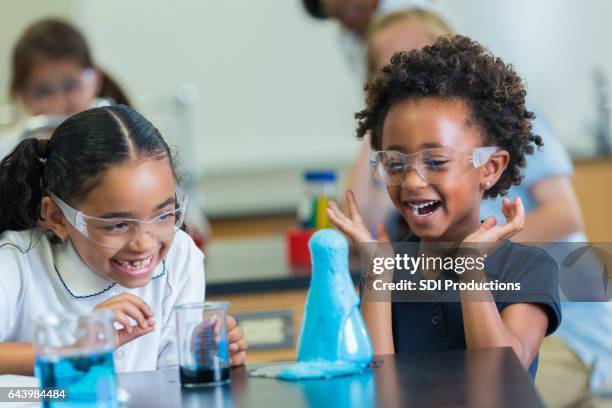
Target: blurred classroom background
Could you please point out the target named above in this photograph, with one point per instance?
(268, 92)
(255, 93)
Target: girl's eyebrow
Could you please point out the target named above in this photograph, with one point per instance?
(431, 145)
(421, 147)
(119, 214)
(396, 148)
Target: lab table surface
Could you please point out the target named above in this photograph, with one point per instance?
(456, 378)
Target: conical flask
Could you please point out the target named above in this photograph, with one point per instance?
(333, 328)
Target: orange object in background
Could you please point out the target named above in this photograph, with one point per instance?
(296, 242)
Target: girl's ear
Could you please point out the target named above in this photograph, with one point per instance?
(54, 218)
(493, 169)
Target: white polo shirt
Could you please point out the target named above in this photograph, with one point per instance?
(42, 277)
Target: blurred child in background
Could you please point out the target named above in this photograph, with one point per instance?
(53, 74)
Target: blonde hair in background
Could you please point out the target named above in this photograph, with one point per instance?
(433, 23)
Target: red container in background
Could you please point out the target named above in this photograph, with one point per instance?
(296, 242)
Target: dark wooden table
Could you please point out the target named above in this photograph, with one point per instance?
(477, 378)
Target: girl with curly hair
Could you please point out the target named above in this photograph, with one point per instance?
(448, 127)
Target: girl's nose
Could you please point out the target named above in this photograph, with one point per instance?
(143, 242)
(413, 180)
(57, 104)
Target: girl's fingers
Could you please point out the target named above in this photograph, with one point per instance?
(519, 213)
(488, 223)
(134, 334)
(334, 212)
(112, 302)
(240, 345)
(137, 332)
(353, 210)
(125, 307)
(238, 359)
(381, 233)
(515, 209)
(345, 226)
(338, 223)
(235, 334)
(215, 323)
(352, 228)
(141, 304)
(504, 232)
(506, 208)
(514, 225)
(483, 231)
(339, 215)
(123, 320)
(512, 208)
(352, 223)
(135, 313)
(230, 322)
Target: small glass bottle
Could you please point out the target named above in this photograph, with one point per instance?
(319, 188)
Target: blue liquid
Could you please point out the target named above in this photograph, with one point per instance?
(87, 378)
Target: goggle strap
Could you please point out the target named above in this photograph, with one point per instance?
(480, 155)
(79, 222)
(374, 159)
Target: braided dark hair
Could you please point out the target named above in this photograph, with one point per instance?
(73, 160)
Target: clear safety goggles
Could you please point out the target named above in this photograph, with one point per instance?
(435, 166)
(62, 86)
(116, 233)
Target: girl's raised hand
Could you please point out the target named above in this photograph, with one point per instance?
(125, 306)
(352, 225)
(489, 231)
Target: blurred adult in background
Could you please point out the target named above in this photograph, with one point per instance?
(354, 17)
(53, 76)
(576, 363)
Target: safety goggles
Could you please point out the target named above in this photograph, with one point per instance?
(435, 166)
(116, 233)
(63, 86)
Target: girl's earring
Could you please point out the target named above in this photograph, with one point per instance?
(487, 185)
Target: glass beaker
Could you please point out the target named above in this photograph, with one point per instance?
(75, 353)
(202, 343)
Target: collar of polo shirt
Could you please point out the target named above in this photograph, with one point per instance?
(78, 279)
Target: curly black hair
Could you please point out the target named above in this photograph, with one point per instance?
(456, 67)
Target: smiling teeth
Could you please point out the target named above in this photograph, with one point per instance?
(415, 207)
(135, 264)
(424, 204)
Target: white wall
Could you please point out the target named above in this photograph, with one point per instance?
(273, 90)
(275, 94)
(555, 45)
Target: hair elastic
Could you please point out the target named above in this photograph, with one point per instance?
(43, 146)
